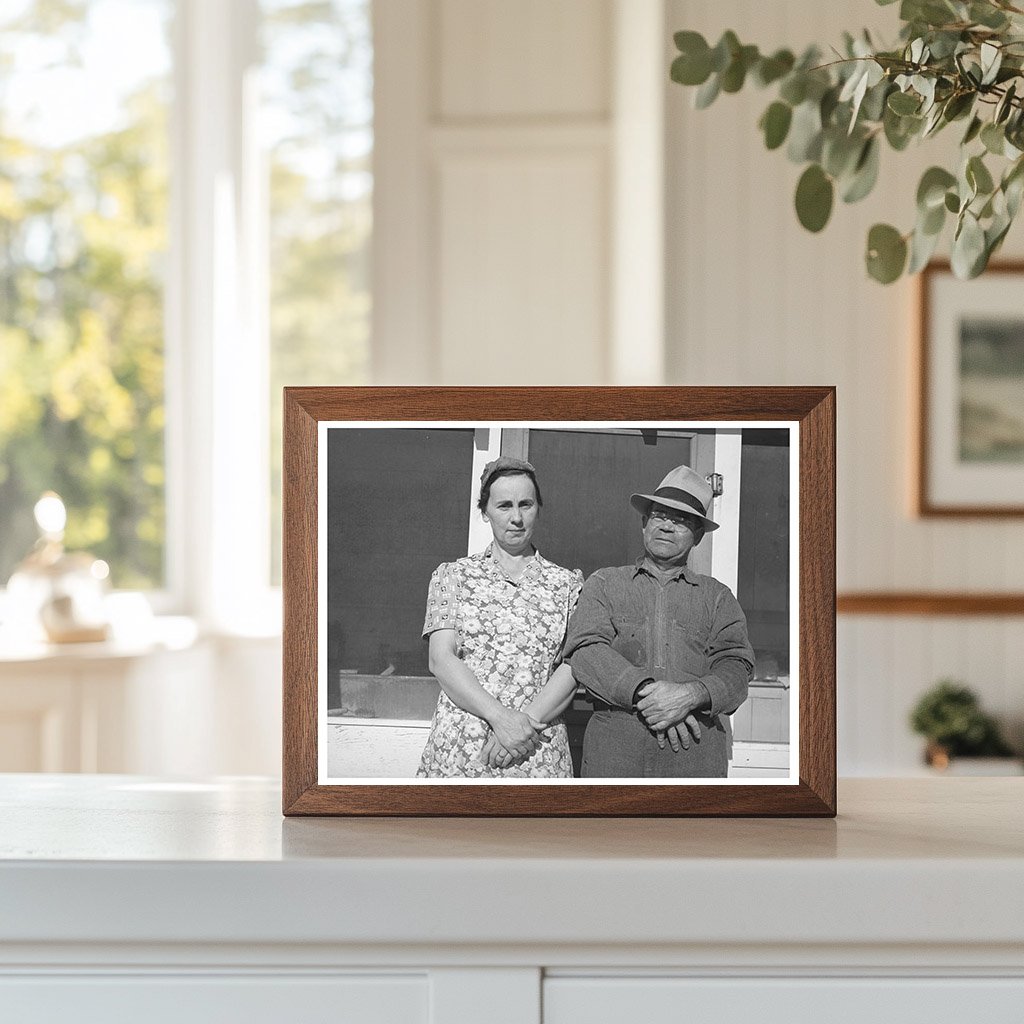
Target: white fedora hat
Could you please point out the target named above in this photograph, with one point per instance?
(682, 489)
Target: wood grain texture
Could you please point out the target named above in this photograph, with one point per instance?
(299, 596)
(924, 603)
(923, 504)
(817, 630)
(812, 407)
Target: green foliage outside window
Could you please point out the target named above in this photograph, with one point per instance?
(82, 233)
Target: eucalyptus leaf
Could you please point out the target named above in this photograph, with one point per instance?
(900, 130)
(991, 59)
(771, 69)
(1013, 187)
(865, 174)
(993, 138)
(931, 190)
(925, 88)
(943, 44)
(952, 202)
(978, 175)
(805, 133)
(724, 51)
(693, 65)
(840, 152)
(932, 221)
(707, 93)
(873, 106)
(922, 248)
(814, 194)
(857, 78)
(1004, 106)
(688, 41)
(995, 233)
(775, 124)
(972, 131)
(958, 105)
(735, 74)
(794, 88)
(987, 15)
(903, 103)
(886, 253)
(930, 12)
(934, 121)
(1013, 191)
(828, 104)
(968, 247)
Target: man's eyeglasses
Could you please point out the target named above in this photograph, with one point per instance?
(665, 515)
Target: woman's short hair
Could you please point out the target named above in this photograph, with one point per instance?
(485, 489)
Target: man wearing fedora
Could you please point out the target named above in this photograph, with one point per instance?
(662, 650)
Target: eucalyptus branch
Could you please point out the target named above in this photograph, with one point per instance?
(833, 117)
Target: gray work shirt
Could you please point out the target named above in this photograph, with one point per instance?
(634, 623)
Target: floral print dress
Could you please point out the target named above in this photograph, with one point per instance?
(510, 634)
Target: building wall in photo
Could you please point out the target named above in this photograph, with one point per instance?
(399, 501)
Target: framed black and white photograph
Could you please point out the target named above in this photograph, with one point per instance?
(970, 451)
(559, 601)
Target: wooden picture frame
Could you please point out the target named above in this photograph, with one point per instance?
(807, 413)
(969, 447)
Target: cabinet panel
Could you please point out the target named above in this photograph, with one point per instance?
(217, 1000)
(784, 1000)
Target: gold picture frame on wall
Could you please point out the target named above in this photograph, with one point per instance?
(970, 384)
(343, 577)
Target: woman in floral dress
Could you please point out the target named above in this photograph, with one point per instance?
(495, 624)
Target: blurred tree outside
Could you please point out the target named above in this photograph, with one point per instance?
(83, 232)
(84, 168)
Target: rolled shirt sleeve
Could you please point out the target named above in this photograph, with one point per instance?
(730, 656)
(588, 648)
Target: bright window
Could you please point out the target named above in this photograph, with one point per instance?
(83, 237)
(185, 221)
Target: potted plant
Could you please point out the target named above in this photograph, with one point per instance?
(950, 717)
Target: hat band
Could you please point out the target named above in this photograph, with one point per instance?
(677, 494)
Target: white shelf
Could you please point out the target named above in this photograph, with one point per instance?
(918, 880)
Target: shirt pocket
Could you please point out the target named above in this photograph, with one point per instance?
(689, 643)
(630, 641)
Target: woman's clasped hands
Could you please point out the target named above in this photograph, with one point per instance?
(514, 737)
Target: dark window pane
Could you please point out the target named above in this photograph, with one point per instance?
(764, 548)
(586, 479)
(398, 506)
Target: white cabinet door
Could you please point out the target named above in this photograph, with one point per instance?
(784, 1000)
(202, 999)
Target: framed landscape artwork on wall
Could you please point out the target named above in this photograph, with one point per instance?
(559, 601)
(970, 445)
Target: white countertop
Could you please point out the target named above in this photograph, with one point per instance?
(123, 859)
